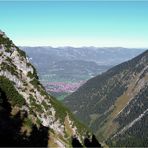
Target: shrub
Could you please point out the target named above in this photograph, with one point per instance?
(22, 53)
(30, 75)
(11, 93)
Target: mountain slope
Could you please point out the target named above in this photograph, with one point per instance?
(28, 115)
(114, 104)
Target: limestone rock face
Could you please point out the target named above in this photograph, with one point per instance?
(27, 102)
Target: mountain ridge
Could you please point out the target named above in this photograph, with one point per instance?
(26, 105)
(105, 98)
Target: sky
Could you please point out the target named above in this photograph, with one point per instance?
(76, 23)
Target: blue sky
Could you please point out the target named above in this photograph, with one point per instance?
(76, 23)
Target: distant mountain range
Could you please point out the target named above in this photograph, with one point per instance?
(101, 56)
(73, 65)
(115, 103)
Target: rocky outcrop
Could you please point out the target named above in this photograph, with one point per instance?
(37, 113)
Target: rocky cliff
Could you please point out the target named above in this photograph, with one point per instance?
(28, 115)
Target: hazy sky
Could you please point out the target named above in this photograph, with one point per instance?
(85, 23)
